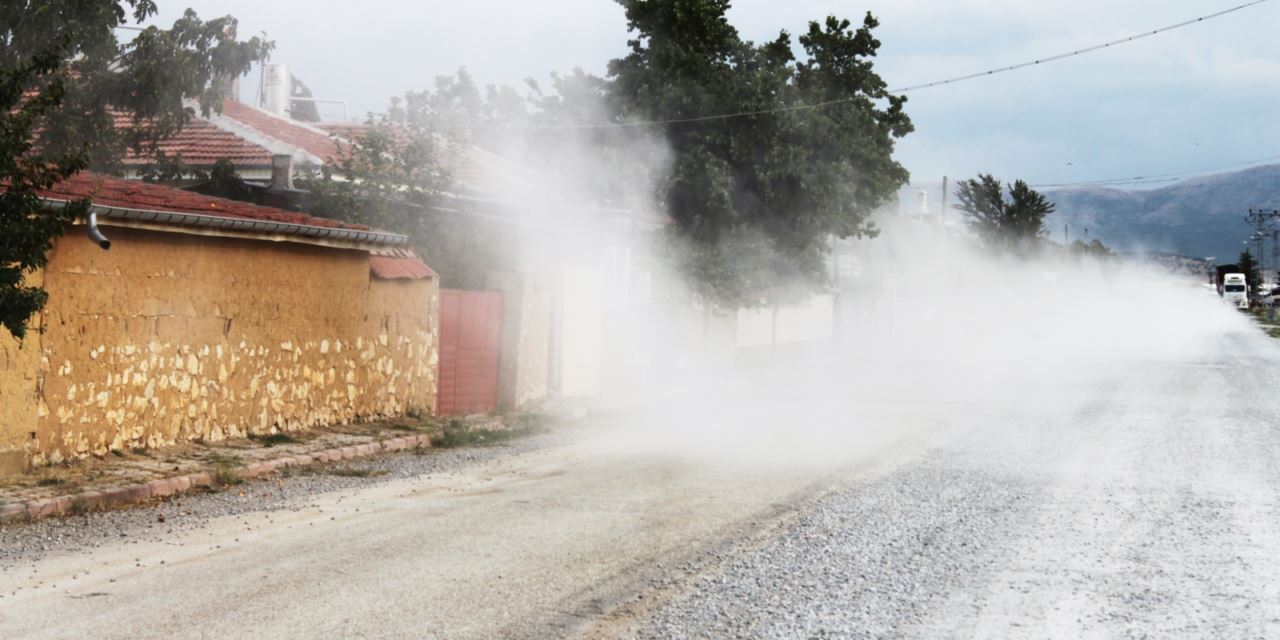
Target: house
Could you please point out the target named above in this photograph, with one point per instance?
(210, 319)
(571, 292)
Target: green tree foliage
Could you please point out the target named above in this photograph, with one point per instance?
(1015, 223)
(755, 199)
(1249, 267)
(64, 79)
(394, 176)
(404, 174)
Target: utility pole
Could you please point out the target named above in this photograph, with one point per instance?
(1260, 218)
(942, 217)
(1065, 240)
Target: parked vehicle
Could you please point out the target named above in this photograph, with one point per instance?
(1235, 290)
(1265, 296)
(1220, 272)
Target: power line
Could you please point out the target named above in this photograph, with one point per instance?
(916, 87)
(1155, 177)
(1077, 52)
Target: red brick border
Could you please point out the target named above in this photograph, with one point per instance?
(131, 494)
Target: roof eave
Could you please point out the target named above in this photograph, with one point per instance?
(248, 228)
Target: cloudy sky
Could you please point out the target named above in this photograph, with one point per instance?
(1201, 97)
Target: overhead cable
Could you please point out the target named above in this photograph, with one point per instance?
(1172, 176)
(909, 88)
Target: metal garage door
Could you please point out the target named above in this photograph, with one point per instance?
(470, 334)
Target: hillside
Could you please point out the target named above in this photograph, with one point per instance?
(1197, 217)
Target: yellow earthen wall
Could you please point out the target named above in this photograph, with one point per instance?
(169, 338)
(19, 367)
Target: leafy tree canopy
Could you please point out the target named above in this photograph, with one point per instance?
(1015, 223)
(73, 96)
(394, 174)
(755, 199)
(399, 174)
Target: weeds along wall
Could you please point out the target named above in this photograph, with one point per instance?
(171, 338)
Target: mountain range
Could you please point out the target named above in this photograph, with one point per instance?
(1198, 217)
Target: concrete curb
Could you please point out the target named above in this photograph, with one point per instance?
(135, 493)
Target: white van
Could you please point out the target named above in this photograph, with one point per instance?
(1235, 290)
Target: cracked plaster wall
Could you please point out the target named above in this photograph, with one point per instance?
(168, 338)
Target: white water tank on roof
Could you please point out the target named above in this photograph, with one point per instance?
(275, 89)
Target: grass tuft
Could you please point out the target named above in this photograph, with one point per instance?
(271, 440)
(457, 433)
(226, 469)
(353, 472)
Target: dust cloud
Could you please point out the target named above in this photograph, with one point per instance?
(931, 334)
(928, 331)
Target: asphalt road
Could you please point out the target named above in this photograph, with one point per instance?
(1132, 495)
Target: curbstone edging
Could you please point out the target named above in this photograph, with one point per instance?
(15, 512)
(12, 512)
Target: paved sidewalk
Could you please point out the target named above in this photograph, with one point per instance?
(124, 478)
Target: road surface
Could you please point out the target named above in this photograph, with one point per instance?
(1133, 495)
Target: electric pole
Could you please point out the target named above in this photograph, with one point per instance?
(1260, 218)
(942, 217)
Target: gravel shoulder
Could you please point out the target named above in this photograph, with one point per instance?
(291, 490)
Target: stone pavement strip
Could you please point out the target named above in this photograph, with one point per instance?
(114, 483)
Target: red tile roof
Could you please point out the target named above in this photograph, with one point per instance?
(295, 134)
(391, 264)
(355, 132)
(135, 194)
(345, 130)
(475, 171)
(200, 144)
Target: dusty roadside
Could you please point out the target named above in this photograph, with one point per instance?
(527, 540)
(124, 479)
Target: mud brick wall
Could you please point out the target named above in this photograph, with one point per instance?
(170, 338)
(19, 366)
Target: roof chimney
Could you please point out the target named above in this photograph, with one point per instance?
(276, 89)
(282, 172)
(230, 87)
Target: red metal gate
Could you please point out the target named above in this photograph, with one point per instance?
(470, 334)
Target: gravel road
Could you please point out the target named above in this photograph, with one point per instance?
(1084, 495)
(1142, 503)
(27, 543)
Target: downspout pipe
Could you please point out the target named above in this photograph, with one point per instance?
(95, 234)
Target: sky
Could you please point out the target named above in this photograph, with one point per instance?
(1202, 97)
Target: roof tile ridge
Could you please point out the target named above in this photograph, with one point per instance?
(248, 133)
(284, 120)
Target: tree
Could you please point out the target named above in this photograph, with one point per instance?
(755, 199)
(1249, 267)
(1014, 224)
(400, 174)
(64, 79)
(394, 175)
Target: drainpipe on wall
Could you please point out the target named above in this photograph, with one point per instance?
(95, 234)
